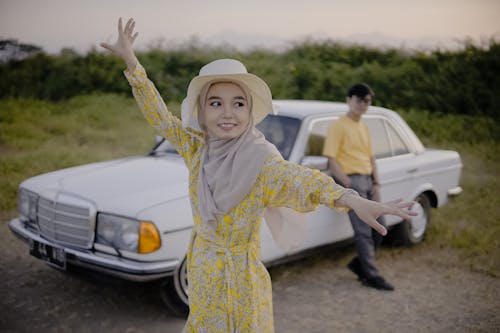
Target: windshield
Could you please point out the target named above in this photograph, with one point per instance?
(162, 147)
(279, 130)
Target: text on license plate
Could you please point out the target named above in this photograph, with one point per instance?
(51, 254)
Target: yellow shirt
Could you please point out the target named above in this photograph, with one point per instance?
(349, 142)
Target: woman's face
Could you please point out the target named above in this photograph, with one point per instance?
(226, 111)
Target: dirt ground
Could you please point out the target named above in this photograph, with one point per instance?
(434, 293)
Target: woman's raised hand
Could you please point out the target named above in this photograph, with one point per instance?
(123, 45)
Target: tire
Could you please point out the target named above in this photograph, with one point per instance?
(412, 232)
(174, 291)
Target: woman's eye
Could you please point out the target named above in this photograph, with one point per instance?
(215, 104)
(239, 104)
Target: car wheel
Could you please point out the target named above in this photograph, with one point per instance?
(412, 232)
(174, 291)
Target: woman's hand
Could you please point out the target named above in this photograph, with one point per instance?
(123, 45)
(369, 210)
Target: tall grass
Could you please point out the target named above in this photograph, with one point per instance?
(39, 136)
(471, 221)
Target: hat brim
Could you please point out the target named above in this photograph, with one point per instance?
(258, 88)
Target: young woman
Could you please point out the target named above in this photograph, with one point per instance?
(235, 176)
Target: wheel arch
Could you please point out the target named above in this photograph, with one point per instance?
(432, 196)
(428, 190)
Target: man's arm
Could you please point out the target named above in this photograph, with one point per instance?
(375, 180)
(337, 172)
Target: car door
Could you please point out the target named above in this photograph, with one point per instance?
(395, 160)
(324, 225)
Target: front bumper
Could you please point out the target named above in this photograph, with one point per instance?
(101, 262)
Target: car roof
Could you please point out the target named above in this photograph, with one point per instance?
(304, 108)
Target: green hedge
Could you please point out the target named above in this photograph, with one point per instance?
(465, 81)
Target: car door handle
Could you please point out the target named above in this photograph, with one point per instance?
(412, 170)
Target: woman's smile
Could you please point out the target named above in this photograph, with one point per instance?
(227, 125)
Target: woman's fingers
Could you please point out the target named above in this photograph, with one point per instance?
(393, 202)
(132, 26)
(400, 209)
(377, 226)
(128, 31)
(120, 26)
(406, 215)
(129, 27)
(134, 37)
(406, 204)
(108, 47)
(399, 204)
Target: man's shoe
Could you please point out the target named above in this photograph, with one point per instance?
(377, 283)
(355, 266)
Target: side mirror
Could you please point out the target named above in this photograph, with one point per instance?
(315, 162)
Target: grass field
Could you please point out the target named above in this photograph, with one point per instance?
(39, 136)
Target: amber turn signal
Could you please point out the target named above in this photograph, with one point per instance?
(149, 238)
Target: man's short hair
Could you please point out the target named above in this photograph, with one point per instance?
(360, 90)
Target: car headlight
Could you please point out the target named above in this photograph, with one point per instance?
(27, 202)
(127, 234)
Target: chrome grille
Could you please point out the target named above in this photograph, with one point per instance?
(66, 220)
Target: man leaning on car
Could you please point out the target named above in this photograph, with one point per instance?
(352, 163)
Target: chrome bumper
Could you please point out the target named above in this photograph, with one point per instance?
(454, 191)
(100, 262)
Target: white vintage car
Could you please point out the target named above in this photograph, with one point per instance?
(131, 217)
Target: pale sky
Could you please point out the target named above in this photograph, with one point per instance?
(53, 24)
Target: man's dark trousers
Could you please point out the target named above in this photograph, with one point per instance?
(365, 238)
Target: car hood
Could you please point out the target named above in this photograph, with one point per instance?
(125, 186)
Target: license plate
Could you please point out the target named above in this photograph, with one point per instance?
(54, 256)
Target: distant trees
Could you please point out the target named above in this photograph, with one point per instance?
(11, 49)
(464, 81)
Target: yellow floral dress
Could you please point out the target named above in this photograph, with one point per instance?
(229, 287)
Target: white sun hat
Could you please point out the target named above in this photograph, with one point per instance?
(226, 70)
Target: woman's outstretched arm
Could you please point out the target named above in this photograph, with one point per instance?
(147, 96)
(303, 189)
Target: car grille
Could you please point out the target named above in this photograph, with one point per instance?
(69, 223)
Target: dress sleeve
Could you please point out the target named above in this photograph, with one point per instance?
(156, 113)
(297, 187)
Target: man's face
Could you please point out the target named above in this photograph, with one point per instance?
(357, 105)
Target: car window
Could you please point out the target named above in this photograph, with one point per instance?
(281, 131)
(162, 147)
(385, 140)
(317, 136)
(380, 141)
(398, 145)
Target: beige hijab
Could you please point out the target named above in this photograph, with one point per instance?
(228, 170)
